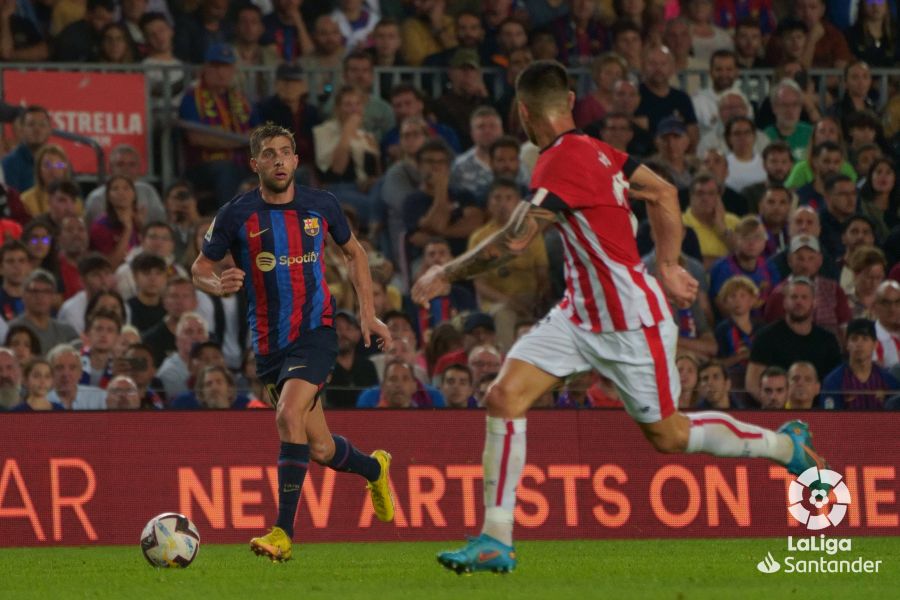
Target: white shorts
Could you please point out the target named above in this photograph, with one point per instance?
(641, 362)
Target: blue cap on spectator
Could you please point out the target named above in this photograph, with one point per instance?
(220, 53)
(476, 320)
(669, 125)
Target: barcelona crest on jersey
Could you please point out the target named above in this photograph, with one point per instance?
(311, 226)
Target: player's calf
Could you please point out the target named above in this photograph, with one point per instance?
(669, 436)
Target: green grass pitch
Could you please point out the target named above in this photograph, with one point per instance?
(677, 569)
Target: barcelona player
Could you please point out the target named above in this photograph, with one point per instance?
(275, 235)
(614, 317)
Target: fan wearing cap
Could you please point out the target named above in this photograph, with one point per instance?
(832, 309)
(672, 143)
(290, 108)
(794, 337)
(216, 165)
(858, 382)
(467, 92)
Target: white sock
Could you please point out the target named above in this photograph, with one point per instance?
(722, 435)
(503, 460)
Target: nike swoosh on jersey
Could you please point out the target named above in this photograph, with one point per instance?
(296, 367)
(258, 233)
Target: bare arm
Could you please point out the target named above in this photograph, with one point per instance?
(361, 278)
(526, 221)
(203, 272)
(751, 379)
(664, 214)
(704, 346)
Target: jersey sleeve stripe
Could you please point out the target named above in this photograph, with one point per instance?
(544, 198)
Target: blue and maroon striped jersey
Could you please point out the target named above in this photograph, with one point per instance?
(280, 248)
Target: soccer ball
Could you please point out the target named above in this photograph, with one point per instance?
(170, 540)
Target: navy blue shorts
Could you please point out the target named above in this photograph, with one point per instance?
(310, 358)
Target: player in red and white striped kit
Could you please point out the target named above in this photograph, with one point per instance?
(614, 317)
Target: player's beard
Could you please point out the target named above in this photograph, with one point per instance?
(273, 185)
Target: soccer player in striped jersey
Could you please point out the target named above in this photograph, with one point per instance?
(614, 317)
(275, 235)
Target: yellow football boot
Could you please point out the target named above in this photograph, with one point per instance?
(275, 545)
(380, 489)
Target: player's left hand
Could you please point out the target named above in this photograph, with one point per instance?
(380, 330)
(678, 284)
(432, 284)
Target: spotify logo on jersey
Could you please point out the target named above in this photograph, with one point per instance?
(265, 261)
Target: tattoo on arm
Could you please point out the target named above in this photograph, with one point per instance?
(526, 221)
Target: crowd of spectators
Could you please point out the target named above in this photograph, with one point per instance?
(788, 187)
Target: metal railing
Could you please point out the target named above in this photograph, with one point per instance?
(258, 81)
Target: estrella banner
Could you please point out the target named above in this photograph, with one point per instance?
(96, 478)
(108, 107)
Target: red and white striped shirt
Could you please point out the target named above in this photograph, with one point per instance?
(607, 286)
(887, 349)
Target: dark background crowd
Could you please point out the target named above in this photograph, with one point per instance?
(778, 122)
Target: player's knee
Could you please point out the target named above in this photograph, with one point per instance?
(498, 397)
(289, 423)
(671, 441)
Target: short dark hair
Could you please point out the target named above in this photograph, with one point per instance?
(504, 141)
(747, 23)
(457, 367)
(12, 246)
(385, 21)
(833, 180)
(406, 88)
(35, 108)
(399, 362)
(826, 146)
(434, 145)
(266, 132)
(623, 26)
(93, 262)
(64, 186)
(359, 55)
(701, 178)
(542, 84)
(773, 371)
(857, 217)
(157, 225)
(150, 17)
(435, 239)
(713, 364)
(33, 341)
(199, 347)
(398, 314)
(103, 313)
(722, 53)
(146, 262)
(248, 6)
(503, 183)
(777, 146)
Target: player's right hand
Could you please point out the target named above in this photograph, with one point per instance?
(679, 285)
(230, 281)
(430, 285)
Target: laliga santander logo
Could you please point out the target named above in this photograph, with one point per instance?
(826, 491)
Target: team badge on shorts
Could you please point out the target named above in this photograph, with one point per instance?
(311, 226)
